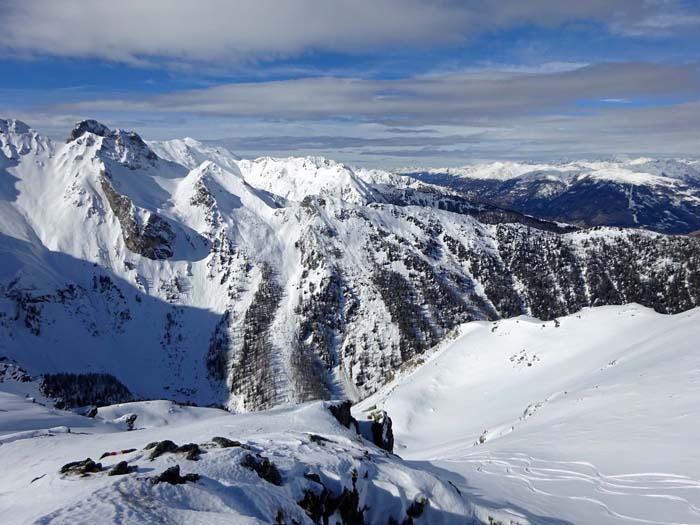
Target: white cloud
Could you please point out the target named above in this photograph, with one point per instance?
(457, 117)
(176, 32)
(220, 30)
(472, 96)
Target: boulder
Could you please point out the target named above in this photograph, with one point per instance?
(263, 467)
(81, 468)
(122, 468)
(161, 447)
(172, 476)
(228, 443)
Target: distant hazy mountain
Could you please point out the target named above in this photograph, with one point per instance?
(187, 273)
(659, 195)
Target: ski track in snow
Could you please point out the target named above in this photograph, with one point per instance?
(571, 479)
(608, 432)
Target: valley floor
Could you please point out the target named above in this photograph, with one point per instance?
(590, 419)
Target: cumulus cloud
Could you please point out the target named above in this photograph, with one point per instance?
(176, 32)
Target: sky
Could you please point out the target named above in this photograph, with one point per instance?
(383, 83)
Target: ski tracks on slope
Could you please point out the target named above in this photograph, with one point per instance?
(644, 497)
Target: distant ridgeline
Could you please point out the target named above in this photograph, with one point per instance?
(186, 273)
(658, 195)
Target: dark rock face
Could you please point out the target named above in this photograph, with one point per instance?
(10, 371)
(416, 509)
(78, 390)
(172, 476)
(158, 448)
(81, 468)
(263, 467)
(377, 429)
(126, 147)
(122, 468)
(223, 442)
(321, 505)
(190, 450)
(161, 447)
(154, 239)
(341, 411)
(89, 126)
(382, 433)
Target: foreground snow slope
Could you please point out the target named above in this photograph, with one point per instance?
(591, 419)
(305, 443)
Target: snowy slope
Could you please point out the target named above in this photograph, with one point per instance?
(189, 274)
(590, 419)
(662, 195)
(317, 459)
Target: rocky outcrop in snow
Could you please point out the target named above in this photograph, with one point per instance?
(294, 465)
(153, 238)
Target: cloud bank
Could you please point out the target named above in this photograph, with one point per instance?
(139, 31)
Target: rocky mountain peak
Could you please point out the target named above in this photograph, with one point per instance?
(14, 126)
(18, 139)
(89, 126)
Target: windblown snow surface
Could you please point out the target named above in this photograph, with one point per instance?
(590, 419)
(305, 443)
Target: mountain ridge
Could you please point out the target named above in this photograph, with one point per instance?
(277, 281)
(661, 195)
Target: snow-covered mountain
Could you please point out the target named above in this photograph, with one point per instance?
(660, 195)
(587, 419)
(186, 273)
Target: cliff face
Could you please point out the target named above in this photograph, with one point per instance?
(152, 239)
(270, 281)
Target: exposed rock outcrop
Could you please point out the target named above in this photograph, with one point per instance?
(172, 475)
(150, 235)
(263, 467)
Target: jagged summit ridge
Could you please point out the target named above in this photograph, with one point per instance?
(89, 126)
(18, 139)
(14, 126)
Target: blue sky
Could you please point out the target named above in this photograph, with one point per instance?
(382, 82)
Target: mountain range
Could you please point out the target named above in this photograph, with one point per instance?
(177, 270)
(656, 194)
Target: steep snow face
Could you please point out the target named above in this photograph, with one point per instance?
(296, 178)
(585, 419)
(17, 140)
(249, 284)
(313, 462)
(662, 195)
(191, 153)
